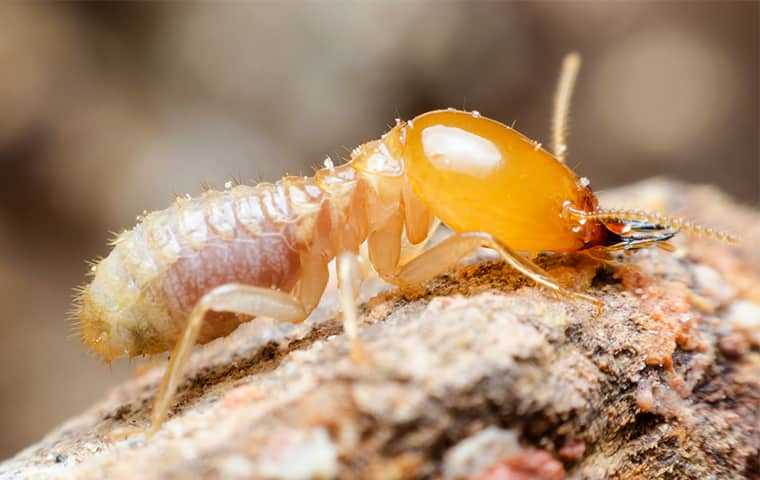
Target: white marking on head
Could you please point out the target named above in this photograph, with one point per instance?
(458, 150)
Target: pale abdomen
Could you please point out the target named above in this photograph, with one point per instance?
(144, 290)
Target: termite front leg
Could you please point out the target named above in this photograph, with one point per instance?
(349, 282)
(235, 298)
(449, 252)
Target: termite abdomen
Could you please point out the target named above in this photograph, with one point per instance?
(143, 291)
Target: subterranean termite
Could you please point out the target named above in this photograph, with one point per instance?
(195, 271)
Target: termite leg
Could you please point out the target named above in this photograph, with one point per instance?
(384, 245)
(410, 251)
(389, 246)
(445, 255)
(233, 297)
(417, 216)
(314, 277)
(349, 281)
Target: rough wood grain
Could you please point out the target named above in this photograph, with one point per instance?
(476, 375)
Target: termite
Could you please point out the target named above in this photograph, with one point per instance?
(195, 271)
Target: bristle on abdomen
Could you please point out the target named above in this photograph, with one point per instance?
(671, 222)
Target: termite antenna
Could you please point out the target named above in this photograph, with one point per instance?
(565, 86)
(653, 218)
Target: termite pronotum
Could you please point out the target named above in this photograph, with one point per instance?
(195, 271)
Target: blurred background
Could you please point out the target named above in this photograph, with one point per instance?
(109, 109)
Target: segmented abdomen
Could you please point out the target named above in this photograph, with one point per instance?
(144, 290)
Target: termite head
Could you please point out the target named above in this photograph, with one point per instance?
(477, 174)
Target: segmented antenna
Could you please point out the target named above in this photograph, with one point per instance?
(657, 219)
(565, 86)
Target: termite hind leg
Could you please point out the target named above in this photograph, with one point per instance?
(233, 297)
(445, 255)
(350, 278)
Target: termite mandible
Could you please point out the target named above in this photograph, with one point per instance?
(195, 271)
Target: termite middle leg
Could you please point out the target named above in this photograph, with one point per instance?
(449, 252)
(233, 297)
(349, 282)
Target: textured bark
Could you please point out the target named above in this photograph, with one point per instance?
(476, 375)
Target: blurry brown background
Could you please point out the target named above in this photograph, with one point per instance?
(109, 109)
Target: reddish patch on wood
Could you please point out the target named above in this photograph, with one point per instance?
(572, 450)
(530, 464)
(670, 320)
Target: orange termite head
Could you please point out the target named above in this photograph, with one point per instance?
(477, 174)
